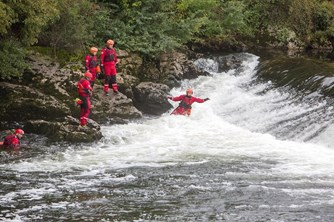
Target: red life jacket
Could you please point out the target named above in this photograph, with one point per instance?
(186, 102)
(109, 57)
(92, 62)
(11, 141)
(83, 91)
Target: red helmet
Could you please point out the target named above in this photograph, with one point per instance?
(19, 131)
(189, 91)
(88, 75)
(110, 42)
(93, 49)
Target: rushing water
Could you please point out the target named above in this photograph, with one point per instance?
(257, 151)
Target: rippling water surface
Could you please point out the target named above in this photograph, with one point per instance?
(257, 151)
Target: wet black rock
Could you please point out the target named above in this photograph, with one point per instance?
(65, 129)
(151, 98)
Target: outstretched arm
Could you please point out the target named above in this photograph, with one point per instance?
(178, 98)
(199, 100)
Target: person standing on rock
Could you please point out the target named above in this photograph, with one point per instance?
(12, 141)
(108, 63)
(92, 65)
(184, 107)
(84, 91)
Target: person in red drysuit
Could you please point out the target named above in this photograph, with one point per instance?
(108, 64)
(12, 141)
(85, 91)
(184, 107)
(92, 65)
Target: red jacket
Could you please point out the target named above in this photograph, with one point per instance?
(108, 56)
(11, 141)
(91, 63)
(184, 107)
(84, 88)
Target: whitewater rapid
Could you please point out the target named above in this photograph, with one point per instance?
(253, 152)
(241, 119)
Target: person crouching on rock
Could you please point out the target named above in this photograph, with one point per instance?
(92, 65)
(12, 141)
(108, 64)
(85, 91)
(184, 107)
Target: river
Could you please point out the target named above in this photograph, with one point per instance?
(261, 149)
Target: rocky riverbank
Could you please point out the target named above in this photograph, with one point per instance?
(42, 101)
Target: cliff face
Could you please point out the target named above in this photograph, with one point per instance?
(42, 101)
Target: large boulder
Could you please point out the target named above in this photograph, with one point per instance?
(151, 98)
(21, 103)
(112, 108)
(127, 84)
(65, 130)
(228, 62)
(176, 66)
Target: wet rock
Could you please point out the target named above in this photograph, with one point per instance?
(176, 66)
(66, 129)
(21, 103)
(228, 62)
(112, 108)
(151, 98)
(42, 102)
(128, 84)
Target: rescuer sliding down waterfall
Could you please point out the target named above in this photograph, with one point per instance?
(184, 107)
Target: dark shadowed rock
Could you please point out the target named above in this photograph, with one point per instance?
(228, 62)
(127, 85)
(151, 98)
(65, 130)
(21, 103)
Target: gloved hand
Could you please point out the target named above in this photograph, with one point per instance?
(78, 101)
(170, 97)
(206, 99)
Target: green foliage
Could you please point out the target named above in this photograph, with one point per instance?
(12, 57)
(323, 18)
(6, 18)
(72, 29)
(300, 16)
(24, 20)
(235, 18)
(151, 27)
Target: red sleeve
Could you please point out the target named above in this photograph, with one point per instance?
(87, 61)
(198, 100)
(103, 53)
(178, 98)
(86, 85)
(15, 142)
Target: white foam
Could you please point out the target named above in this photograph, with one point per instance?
(232, 124)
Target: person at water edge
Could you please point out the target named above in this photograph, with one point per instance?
(12, 141)
(108, 64)
(184, 107)
(84, 91)
(92, 65)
